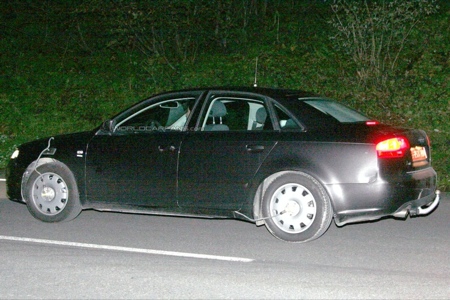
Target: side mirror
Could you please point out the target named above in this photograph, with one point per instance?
(109, 125)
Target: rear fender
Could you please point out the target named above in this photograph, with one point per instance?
(331, 164)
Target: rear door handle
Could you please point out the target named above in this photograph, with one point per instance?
(254, 148)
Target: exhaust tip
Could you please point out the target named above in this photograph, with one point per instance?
(403, 214)
(424, 210)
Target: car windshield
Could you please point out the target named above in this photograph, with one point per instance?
(338, 111)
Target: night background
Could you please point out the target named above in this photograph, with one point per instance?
(66, 66)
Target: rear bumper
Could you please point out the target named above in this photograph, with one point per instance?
(419, 207)
(365, 202)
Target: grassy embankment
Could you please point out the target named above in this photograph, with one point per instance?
(54, 83)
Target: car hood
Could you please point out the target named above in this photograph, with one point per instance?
(64, 142)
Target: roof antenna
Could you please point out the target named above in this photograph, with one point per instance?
(255, 84)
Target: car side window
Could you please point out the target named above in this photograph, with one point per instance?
(285, 121)
(168, 115)
(236, 114)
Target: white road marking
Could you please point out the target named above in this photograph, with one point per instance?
(2, 179)
(126, 249)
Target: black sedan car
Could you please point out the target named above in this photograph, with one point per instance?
(290, 160)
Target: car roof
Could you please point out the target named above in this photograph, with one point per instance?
(270, 92)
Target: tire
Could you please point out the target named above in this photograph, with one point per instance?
(296, 208)
(51, 193)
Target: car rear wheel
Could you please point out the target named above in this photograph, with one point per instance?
(51, 193)
(296, 208)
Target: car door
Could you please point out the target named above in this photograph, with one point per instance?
(134, 163)
(218, 160)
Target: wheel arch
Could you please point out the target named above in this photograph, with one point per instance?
(282, 161)
(42, 161)
(265, 182)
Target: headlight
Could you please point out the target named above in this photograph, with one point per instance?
(15, 154)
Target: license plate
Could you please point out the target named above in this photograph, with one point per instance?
(418, 153)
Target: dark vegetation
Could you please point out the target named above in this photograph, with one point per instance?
(68, 65)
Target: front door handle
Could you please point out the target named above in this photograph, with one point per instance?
(254, 148)
(168, 148)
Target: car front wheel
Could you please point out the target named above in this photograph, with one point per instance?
(51, 193)
(296, 207)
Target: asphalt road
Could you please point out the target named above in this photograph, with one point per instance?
(112, 255)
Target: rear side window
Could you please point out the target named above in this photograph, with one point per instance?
(226, 113)
(285, 120)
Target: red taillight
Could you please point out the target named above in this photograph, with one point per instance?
(392, 148)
